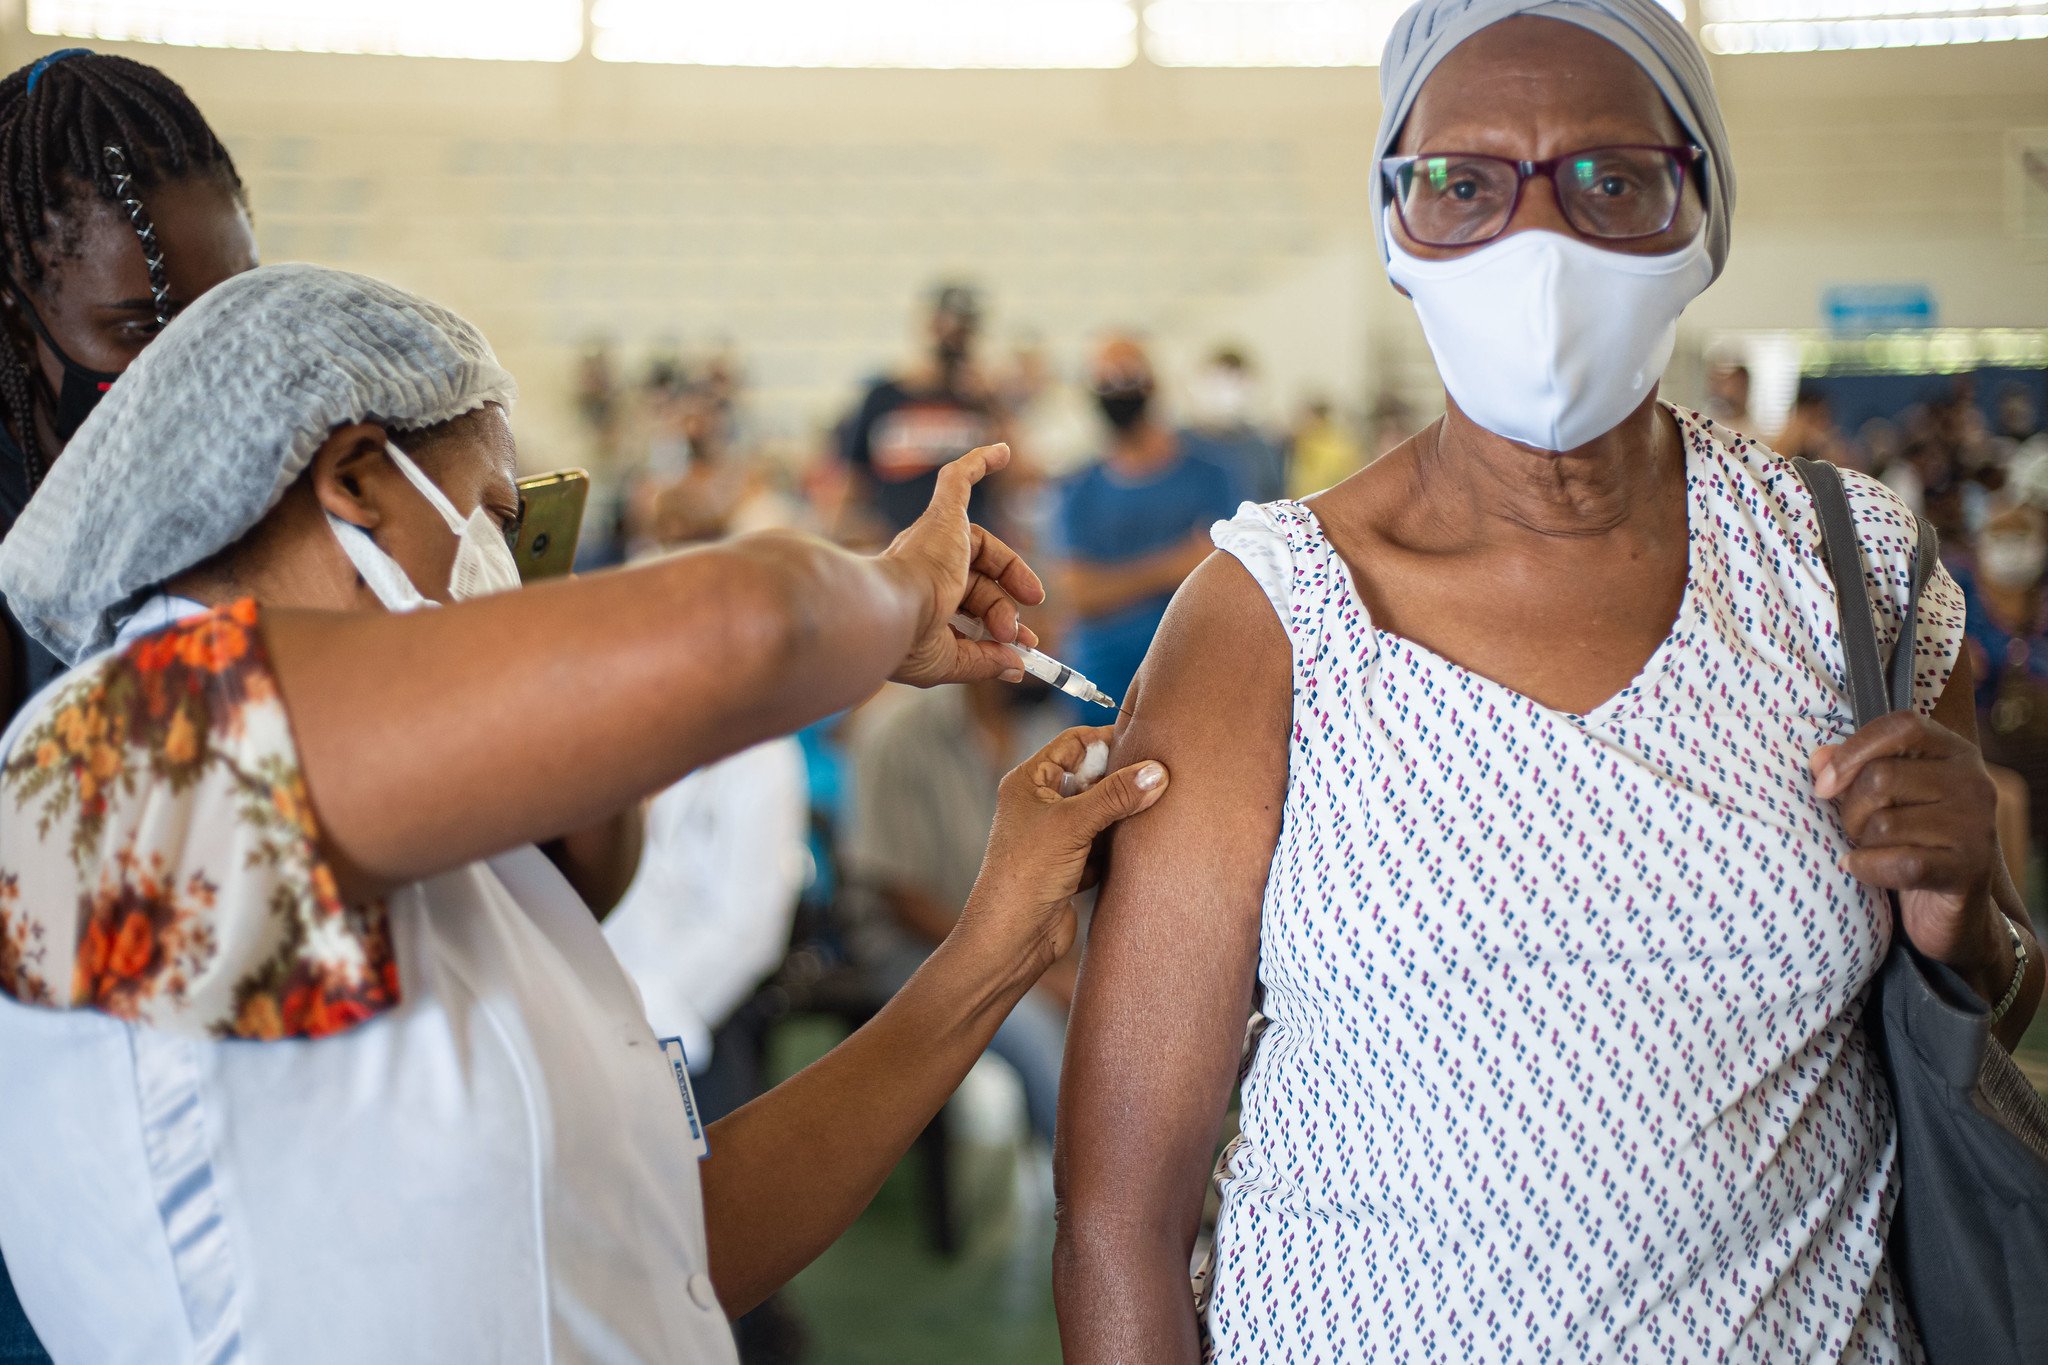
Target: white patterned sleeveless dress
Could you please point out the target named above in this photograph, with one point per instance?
(1563, 1061)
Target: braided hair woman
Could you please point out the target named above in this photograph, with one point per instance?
(118, 206)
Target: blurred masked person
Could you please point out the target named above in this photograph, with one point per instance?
(1223, 429)
(2027, 479)
(1960, 468)
(1129, 528)
(1728, 397)
(1051, 418)
(2006, 629)
(308, 1055)
(910, 424)
(1810, 432)
(925, 775)
(121, 207)
(1391, 424)
(2019, 415)
(1322, 453)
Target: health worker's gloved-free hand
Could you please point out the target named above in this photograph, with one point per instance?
(957, 567)
(1043, 848)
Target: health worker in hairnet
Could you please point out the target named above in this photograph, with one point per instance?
(307, 1053)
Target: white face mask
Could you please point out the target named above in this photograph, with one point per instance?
(2012, 561)
(483, 562)
(1220, 397)
(1546, 339)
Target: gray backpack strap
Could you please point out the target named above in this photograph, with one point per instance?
(1924, 559)
(1971, 1132)
(1873, 691)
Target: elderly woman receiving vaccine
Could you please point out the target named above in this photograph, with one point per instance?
(1527, 813)
(308, 1054)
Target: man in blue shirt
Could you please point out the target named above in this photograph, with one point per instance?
(1127, 529)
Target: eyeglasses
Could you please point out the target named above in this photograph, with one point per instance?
(1614, 193)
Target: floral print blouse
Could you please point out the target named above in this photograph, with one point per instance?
(158, 856)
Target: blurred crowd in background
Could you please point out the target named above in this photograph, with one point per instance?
(875, 821)
(1970, 454)
(675, 439)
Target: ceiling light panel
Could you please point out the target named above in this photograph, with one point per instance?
(932, 34)
(503, 30)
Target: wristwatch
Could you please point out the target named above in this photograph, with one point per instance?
(2019, 972)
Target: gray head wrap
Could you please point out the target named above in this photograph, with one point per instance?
(214, 421)
(1644, 29)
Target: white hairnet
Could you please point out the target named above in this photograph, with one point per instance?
(210, 425)
(1425, 34)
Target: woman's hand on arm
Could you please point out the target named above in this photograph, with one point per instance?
(1920, 808)
(1167, 975)
(791, 1171)
(432, 739)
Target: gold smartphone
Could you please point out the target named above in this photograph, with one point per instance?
(551, 524)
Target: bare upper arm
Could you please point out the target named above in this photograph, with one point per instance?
(1166, 979)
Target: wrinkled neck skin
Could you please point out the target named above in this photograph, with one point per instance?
(1480, 487)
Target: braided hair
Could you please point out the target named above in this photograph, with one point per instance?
(77, 123)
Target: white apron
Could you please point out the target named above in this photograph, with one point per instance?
(497, 1170)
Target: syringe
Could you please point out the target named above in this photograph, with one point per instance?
(1042, 666)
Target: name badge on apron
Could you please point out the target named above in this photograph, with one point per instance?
(679, 1063)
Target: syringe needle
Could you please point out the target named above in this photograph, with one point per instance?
(1042, 666)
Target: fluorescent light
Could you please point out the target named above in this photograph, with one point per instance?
(1268, 32)
(1276, 32)
(876, 33)
(1747, 26)
(503, 30)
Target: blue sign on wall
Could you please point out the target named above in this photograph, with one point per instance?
(1859, 308)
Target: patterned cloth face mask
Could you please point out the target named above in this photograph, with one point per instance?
(483, 561)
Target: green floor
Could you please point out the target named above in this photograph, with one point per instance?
(881, 1297)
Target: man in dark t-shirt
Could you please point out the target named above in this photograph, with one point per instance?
(909, 425)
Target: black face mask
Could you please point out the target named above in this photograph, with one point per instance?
(1124, 408)
(82, 388)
